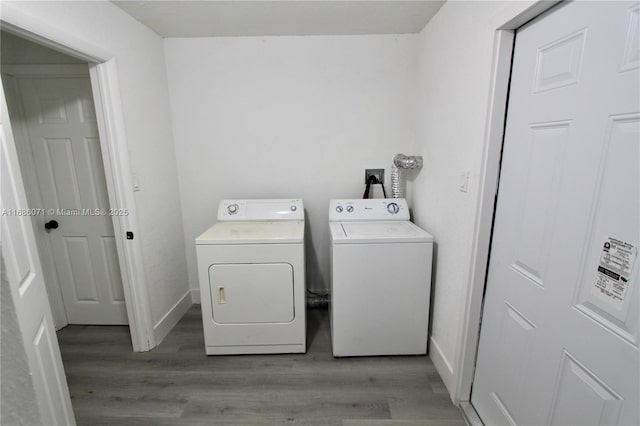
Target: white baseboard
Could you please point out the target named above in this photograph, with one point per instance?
(442, 365)
(171, 318)
(195, 295)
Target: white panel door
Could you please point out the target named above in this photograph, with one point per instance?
(27, 288)
(560, 329)
(63, 138)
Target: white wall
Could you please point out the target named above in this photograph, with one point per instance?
(139, 54)
(282, 117)
(456, 54)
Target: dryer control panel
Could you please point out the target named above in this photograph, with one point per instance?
(368, 209)
(261, 210)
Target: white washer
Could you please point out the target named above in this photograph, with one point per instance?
(251, 272)
(380, 279)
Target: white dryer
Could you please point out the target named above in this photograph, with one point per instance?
(380, 279)
(251, 273)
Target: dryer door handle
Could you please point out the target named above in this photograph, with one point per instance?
(221, 299)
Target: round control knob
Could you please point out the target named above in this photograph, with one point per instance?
(232, 209)
(393, 208)
(339, 209)
(350, 209)
(294, 208)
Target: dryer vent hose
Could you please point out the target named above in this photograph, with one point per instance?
(401, 161)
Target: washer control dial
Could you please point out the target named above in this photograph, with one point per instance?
(232, 208)
(350, 209)
(339, 209)
(393, 208)
(293, 208)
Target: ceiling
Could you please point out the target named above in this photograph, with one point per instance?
(189, 18)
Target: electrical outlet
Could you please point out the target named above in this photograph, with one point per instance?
(378, 173)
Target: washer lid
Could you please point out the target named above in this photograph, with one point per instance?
(254, 232)
(378, 232)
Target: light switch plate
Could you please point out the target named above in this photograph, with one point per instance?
(463, 185)
(136, 182)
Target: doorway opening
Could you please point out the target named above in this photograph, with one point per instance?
(105, 151)
(55, 128)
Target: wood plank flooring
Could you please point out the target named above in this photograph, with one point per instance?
(177, 384)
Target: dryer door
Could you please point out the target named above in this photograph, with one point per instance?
(243, 293)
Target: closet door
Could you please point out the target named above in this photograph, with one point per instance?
(559, 338)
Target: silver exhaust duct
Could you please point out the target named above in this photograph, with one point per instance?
(401, 161)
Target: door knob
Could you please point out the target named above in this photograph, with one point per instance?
(52, 224)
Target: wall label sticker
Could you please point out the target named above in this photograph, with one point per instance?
(614, 271)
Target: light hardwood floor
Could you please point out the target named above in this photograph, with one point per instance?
(177, 384)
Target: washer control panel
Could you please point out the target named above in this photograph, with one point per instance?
(261, 210)
(368, 209)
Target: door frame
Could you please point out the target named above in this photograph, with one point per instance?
(505, 25)
(103, 73)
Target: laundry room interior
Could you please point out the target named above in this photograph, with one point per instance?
(203, 108)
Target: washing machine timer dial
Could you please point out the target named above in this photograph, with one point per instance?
(350, 209)
(293, 208)
(339, 209)
(393, 208)
(232, 208)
